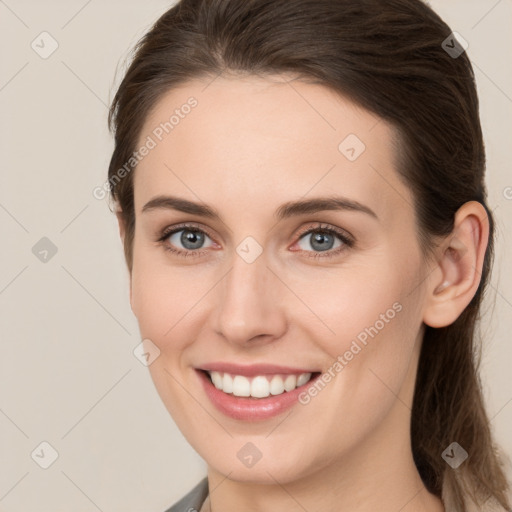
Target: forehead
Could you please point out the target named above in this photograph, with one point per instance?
(268, 139)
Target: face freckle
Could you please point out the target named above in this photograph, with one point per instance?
(256, 293)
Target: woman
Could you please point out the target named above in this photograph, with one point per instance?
(249, 134)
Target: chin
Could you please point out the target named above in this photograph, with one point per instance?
(261, 473)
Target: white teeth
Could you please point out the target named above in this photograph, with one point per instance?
(227, 383)
(290, 383)
(276, 385)
(241, 386)
(216, 379)
(303, 378)
(260, 386)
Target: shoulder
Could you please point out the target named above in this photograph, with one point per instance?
(193, 500)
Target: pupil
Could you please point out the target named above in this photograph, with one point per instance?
(321, 237)
(191, 237)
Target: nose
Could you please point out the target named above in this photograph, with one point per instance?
(250, 303)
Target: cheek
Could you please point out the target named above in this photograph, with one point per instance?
(374, 321)
(358, 303)
(151, 304)
(165, 303)
(164, 298)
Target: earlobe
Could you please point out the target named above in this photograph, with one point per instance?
(456, 279)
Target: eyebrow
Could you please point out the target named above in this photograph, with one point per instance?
(286, 210)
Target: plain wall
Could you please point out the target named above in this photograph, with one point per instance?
(68, 375)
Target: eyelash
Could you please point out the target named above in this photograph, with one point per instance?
(347, 240)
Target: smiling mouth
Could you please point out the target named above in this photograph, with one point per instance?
(258, 386)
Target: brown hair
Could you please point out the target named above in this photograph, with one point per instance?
(387, 56)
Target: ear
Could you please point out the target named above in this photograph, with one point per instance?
(122, 232)
(456, 277)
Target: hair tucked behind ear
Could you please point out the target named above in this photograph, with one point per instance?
(387, 56)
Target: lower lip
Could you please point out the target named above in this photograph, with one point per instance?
(251, 409)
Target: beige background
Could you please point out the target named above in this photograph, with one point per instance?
(68, 374)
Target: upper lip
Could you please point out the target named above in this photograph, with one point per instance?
(252, 370)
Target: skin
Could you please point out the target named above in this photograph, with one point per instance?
(250, 145)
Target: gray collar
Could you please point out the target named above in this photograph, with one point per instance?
(193, 501)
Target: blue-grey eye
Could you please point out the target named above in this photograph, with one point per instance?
(189, 238)
(321, 240)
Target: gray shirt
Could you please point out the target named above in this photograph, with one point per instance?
(193, 501)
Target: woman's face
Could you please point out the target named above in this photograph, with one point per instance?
(252, 288)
